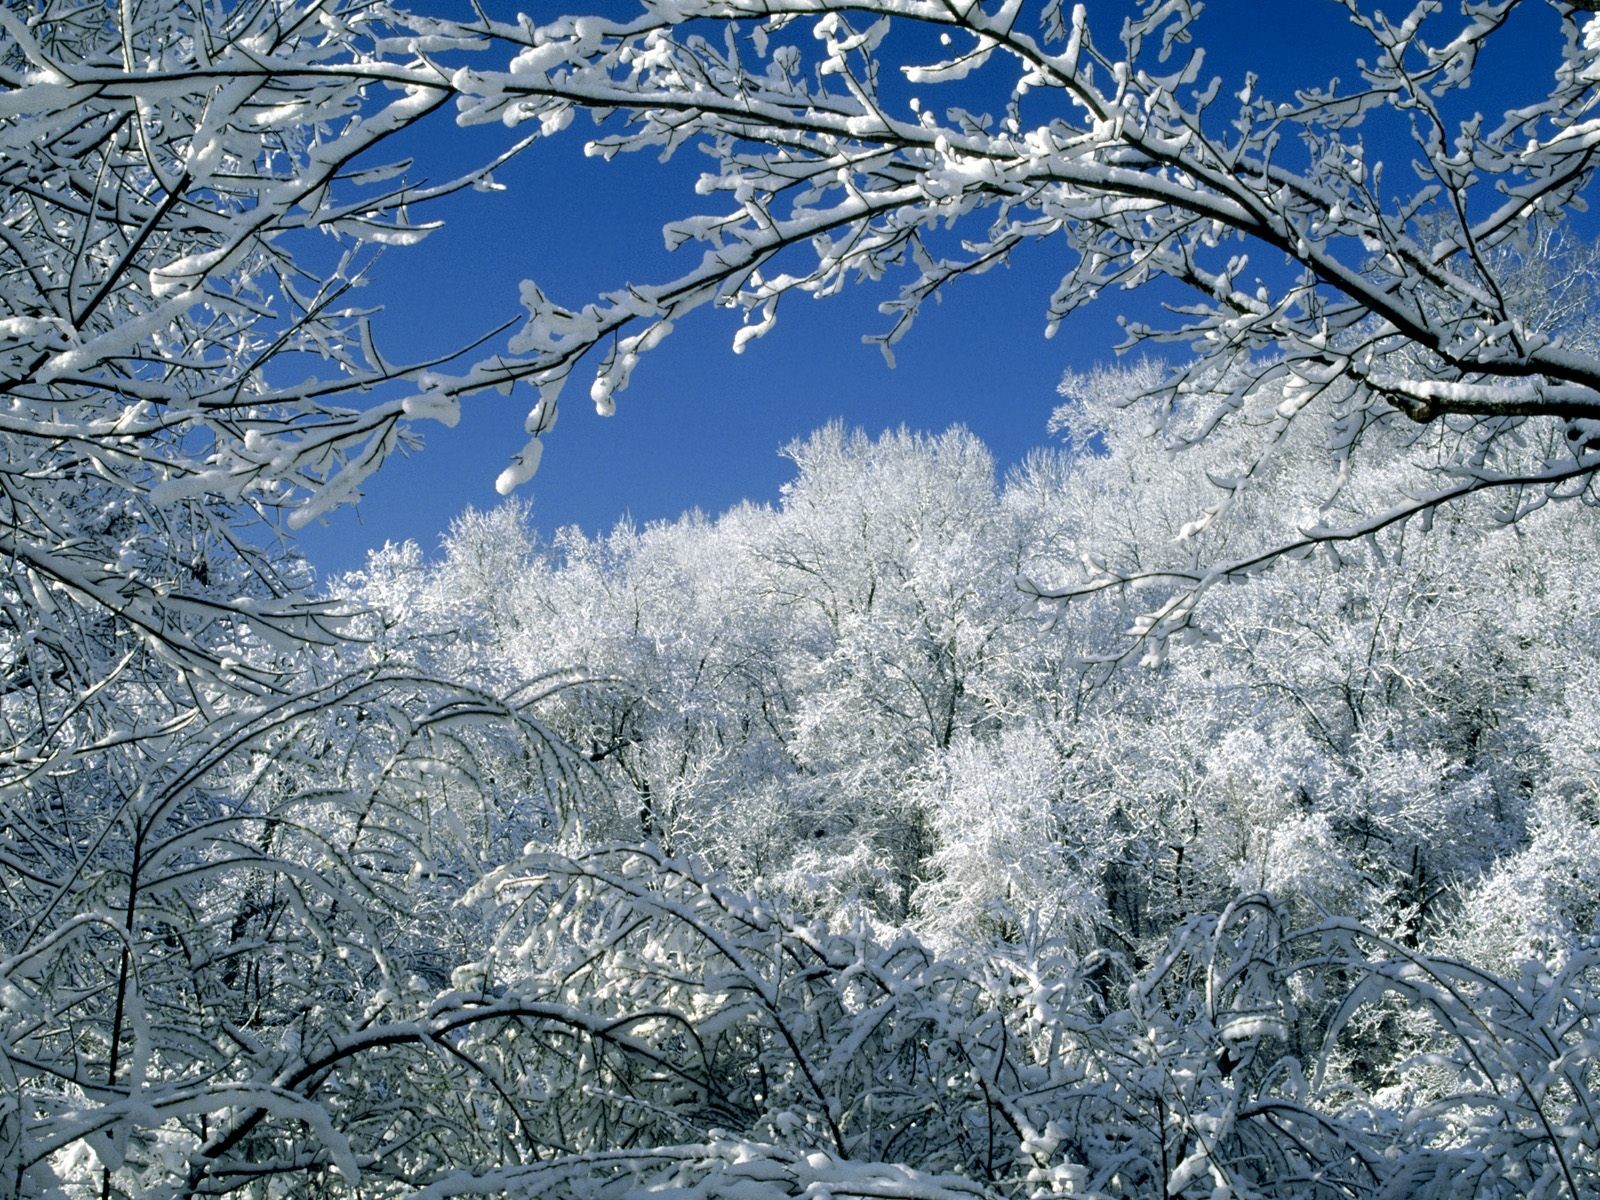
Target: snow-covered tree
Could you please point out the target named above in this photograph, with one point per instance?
(1310, 898)
(1353, 253)
(165, 306)
(302, 898)
(232, 819)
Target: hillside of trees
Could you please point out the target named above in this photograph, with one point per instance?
(1338, 860)
(853, 705)
(1209, 808)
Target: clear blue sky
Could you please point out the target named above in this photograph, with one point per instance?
(701, 427)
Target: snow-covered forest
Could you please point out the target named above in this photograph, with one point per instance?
(1208, 807)
(1295, 902)
(846, 705)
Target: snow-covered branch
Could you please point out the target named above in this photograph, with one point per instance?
(1318, 275)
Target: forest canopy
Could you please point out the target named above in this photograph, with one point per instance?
(830, 848)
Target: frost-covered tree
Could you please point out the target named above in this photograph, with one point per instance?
(288, 908)
(165, 307)
(1353, 254)
(233, 819)
(1362, 737)
(1385, 759)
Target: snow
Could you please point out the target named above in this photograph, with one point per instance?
(521, 468)
(948, 835)
(434, 406)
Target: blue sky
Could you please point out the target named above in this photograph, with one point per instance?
(701, 427)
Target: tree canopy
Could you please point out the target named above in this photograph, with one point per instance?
(851, 147)
(791, 854)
